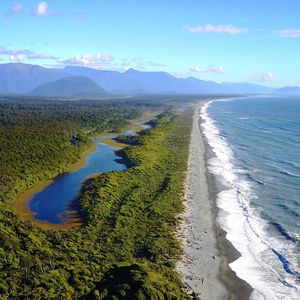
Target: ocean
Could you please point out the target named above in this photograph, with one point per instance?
(255, 143)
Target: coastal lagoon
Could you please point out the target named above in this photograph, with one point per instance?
(51, 204)
(255, 144)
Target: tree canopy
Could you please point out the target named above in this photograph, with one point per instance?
(127, 247)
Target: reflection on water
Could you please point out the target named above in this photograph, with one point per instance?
(50, 204)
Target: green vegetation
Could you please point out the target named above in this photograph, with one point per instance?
(127, 247)
(41, 140)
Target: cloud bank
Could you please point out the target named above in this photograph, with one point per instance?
(41, 56)
(16, 57)
(42, 10)
(97, 60)
(262, 77)
(209, 28)
(288, 33)
(217, 70)
(23, 54)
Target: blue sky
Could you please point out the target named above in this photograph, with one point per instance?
(225, 40)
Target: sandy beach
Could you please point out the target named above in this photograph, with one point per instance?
(204, 266)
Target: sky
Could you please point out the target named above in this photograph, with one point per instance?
(225, 41)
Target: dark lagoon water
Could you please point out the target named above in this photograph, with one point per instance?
(50, 204)
(256, 161)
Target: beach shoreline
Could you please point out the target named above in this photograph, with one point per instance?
(204, 265)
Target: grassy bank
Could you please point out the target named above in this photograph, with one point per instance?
(135, 213)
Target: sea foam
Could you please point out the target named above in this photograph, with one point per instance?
(261, 263)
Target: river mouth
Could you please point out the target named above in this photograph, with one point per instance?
(52, 203)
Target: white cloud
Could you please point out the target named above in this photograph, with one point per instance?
(16, 57)
(22, 54)
(41, 56)
(143, 62)
(209, 28)
(262, 77)
(15, 52)
(288, 33)
(108, 62)
(138, 63)
(97, 60)
(219, 70)
(42, 10)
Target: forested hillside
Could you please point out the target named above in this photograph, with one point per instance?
(127, 246)
(70, 86)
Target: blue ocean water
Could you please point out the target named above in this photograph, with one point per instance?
(255, 143)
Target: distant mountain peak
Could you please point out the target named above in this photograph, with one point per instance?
(22, 78)
(70, 86)
(131, 70)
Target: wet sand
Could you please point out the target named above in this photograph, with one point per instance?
(204, 267)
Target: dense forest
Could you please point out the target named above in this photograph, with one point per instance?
(39, 140)
(126, 248)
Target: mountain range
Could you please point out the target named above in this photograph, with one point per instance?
(19, 78)
(289, 90)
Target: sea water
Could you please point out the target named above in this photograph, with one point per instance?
(255, 143)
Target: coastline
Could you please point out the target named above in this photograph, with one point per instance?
(204, 266)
